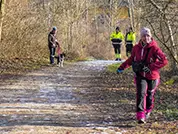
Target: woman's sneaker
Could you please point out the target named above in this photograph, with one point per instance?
(148, 115)
(141, 121)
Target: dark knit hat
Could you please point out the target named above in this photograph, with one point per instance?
(117, 28)
(54, 28)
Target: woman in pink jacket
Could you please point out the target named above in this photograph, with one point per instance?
(150, 59)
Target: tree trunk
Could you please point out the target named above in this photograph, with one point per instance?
(111, 15)
(132, 12)
(174, 48)
(2, 6)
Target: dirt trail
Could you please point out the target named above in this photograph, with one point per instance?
(80, 98)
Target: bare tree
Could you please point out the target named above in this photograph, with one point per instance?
(167, 20)
(162, 17)
(2, 12)
(83, 27)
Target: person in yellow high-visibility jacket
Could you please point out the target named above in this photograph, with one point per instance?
(117, 38)
(130, 39)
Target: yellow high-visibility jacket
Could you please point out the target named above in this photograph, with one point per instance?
(131, 37)
(116, 38)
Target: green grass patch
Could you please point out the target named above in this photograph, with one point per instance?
(113, 67)
(169, 82)
(170, 113)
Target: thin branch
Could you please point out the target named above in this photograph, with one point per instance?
(168, 48)
(156, 6)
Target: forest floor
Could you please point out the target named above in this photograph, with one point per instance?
(81, 98)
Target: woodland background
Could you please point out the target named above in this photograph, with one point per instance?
(84, 27)
(83, 30)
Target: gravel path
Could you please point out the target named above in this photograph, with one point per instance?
(80, 98)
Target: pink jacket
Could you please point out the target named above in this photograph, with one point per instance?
(156, 59)
(58, 49)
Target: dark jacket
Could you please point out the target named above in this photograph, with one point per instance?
(52, 41)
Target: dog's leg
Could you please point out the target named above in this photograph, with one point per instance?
(62, 62)
(57, 57)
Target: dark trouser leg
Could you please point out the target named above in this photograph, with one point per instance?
(117, 50)
(52, 54)
(141, 85)
(152, 85)
(129, 49)
(145, 95)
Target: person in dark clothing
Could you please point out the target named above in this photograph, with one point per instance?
(52, 43)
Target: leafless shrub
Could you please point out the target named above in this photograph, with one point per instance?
(83, 27)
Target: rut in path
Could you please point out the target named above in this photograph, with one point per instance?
(80, 94)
